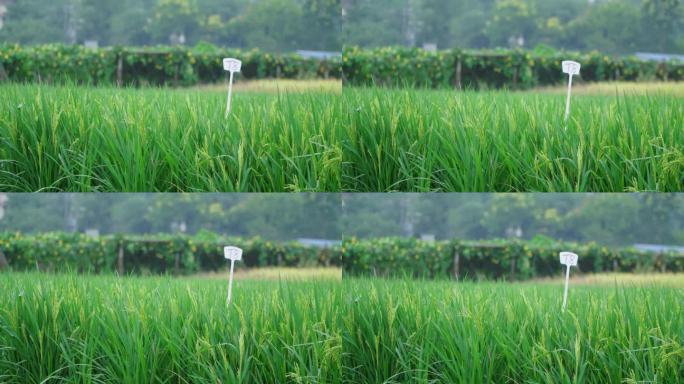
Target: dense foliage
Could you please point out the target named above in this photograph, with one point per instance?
(613, 26)
(504, 259)
(397, 66)
(161, 65)
(300, 215)
(412, 140)
(427, 332)
(75, 329)
(152, 253)
(156, 140)
(271, 25)
(367, 140)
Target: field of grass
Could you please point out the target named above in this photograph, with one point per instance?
(427, 332)
(87, 329)
(413, 140)
(76, 329)
(366, 140)
(85, 139)
(279, 273)
(619, 88)
(278, 86)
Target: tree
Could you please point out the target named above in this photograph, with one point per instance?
(174, 21)
(271, 25)
(323, 21)
(663, 19)
(512, 23)
(35, 22)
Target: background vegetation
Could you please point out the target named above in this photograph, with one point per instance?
(173, 254)
(397, 66)
(494, 259)
(271, 25)
(163, 65)
(610, 26)
(618, 220)
(272, 217)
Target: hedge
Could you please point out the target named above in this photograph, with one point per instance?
(502, 259)
(514, 69)
(151, 254)
(159, 65)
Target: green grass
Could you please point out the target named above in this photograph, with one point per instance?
(366, 140)
(87, 329)
(426, 332)
(78, 329)
(87, 139)
(410, 140)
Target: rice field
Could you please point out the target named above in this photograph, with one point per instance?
(57, 139)
(424, 140)
(78, 329)
(105, 329)
(441, 332)
(362, 140)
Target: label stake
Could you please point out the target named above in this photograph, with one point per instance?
(232, 66)
(568, 259)
(233, 254)
(572, 68)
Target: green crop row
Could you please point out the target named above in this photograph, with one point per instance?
(151, 254)
(501, 259)
(397, 66)
(150, 66)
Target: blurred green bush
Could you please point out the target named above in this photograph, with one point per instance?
(514, 69)
(160, 65)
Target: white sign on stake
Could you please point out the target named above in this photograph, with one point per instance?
(572, 68)
(232, 66)
(233, 254)
(568, 259)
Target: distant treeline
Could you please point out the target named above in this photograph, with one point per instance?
(612, 26)
(270, 25)
(181, 254)
(503, 259)
(514, 69)
(161, 65)
(173, 254)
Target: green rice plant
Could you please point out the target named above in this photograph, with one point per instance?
(99, 139)
(377, 140)
(78, 329)
(405, 331)
(420, 140)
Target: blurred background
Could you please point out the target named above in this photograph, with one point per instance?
(605, 218)
(276, 217)
(270, 25)
(609, 26)
(497, 236)
(282, 235)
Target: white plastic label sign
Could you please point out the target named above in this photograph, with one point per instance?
(568, 258)
(232, 253)
(232, 65)
(571, 67)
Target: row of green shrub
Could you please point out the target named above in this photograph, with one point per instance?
(151, 66)
(151, 254)
(397, 66)
(507, 259)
